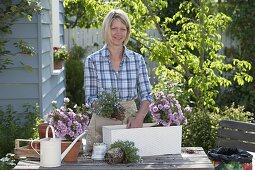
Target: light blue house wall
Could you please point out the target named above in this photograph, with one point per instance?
(42, 84)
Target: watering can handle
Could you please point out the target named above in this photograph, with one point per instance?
(33, 146)
(52, 130)
(46, 136)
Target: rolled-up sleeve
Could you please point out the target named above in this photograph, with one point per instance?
(90, 81)
(144, 86)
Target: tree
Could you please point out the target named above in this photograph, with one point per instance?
(84, 13)
(242, 31)
(193, 59)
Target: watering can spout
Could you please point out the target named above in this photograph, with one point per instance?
(71, 145)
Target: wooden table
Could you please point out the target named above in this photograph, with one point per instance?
(190, 158)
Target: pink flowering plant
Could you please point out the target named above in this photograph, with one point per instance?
(68, 123)
(167, 111)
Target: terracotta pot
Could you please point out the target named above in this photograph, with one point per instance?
(72, 155)
(58, 64)
(42, 130)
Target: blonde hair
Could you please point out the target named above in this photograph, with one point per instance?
(112, 15)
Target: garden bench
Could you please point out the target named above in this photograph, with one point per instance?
(237, 134)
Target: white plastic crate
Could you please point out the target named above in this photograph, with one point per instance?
(149, 140)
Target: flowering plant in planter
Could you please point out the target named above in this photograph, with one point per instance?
(68, 123)
(167, 111)
(60, 53)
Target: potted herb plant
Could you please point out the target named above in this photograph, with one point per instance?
(122, 152)
(109, 106)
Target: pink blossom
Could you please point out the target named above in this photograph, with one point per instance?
(68, 123)
(167, 111)
(160, 106)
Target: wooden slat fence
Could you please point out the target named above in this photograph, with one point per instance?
(91, 39)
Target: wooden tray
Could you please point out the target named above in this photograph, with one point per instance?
(22, 152)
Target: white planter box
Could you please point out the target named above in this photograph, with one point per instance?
(149, 140)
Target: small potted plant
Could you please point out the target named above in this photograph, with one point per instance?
(60, 54)
(109, 106)
(122, 152)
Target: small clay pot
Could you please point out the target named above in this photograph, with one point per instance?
(42, 130)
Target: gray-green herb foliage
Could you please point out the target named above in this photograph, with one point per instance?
(130, 151)
(108, 105)
(190, 56)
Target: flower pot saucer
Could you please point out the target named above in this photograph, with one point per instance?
(97, 157)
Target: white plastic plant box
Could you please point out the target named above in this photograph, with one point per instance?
(149, 140)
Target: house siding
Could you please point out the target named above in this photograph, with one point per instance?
(43, 84)
(53, 85)
(61, 22)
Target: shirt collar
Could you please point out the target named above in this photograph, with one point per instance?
(107, 53)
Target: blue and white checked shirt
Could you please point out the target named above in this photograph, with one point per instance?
(130, 81)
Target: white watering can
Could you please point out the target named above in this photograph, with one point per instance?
(50, 149)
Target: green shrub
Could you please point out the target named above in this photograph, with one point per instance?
(75, 75)
(78, 52)
(17, 126)
(202, 127)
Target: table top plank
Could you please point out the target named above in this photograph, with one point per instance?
(190, 158)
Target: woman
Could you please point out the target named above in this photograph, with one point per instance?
(116, 67)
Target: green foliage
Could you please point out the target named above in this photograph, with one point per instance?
(8, 162)
(11, 12)
(243, 47)
(202, 127)
(75, 75)
(130, 151)
(17, 127)
(32, 119)
(193, 58)
(78, 52)
(84, 14)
